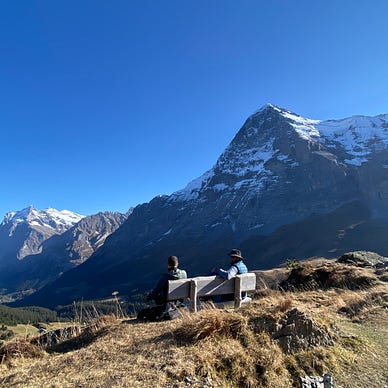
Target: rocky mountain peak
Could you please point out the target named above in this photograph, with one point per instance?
(51, 218)
(26, 229)
(270, 134)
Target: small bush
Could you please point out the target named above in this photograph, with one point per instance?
(294, 264)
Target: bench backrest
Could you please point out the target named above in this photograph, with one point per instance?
(210, 286)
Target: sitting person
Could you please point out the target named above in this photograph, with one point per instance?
(159, 293)
(237, 267)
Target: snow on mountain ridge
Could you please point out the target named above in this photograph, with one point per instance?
(357, 135)
(245, 157)
(50, 218)
(192, 188)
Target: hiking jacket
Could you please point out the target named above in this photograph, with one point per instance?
(235, 269)
(159, 293)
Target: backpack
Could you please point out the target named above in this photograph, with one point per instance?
(161, 313)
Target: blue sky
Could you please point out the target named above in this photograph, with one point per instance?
(105, 104)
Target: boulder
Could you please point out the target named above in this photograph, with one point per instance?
(364, 259)
(297, 331)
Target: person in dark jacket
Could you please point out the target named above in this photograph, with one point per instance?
(237, 267)
(159, 293)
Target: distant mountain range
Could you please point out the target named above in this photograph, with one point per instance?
(286, 186)
(22, 233)
(38, 246)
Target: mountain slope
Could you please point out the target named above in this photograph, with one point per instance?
(279, 169)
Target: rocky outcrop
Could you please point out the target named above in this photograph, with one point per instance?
(294, 331)
(298, 331)
(364, 259)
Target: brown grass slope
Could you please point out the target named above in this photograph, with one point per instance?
(262, 345)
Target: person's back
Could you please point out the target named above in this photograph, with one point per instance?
(159, 293)
(241, 267)
(176, 273)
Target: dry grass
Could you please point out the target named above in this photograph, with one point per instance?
(212, 322)
(20, 348)
(216, 348)
(328, 275)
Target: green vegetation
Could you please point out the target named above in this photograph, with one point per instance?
(14, 315)
(5, 334)
(119, 307)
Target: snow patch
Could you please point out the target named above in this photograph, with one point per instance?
(220, 187)
(191, 191)
(168, 232)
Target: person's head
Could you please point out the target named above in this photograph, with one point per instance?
(235, 255)
(172, 262)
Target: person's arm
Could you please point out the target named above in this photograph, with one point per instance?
(229, 274)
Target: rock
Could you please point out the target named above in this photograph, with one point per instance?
(364, 259)
(297, 331)
(325, 381)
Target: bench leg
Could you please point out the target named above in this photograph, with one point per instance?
(237, 292)
(193, 295)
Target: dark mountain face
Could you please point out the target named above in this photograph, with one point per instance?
(279, 188)
(61, 252)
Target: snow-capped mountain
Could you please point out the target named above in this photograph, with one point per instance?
(281, 167)
(282, 178)
(58, 220)
(61, 252)
(23, 232)
(273, 135)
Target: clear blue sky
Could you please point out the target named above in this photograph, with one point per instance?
(105, 104)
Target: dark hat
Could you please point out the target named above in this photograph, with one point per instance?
(235, 253)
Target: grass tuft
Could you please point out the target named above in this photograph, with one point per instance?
(21, 348)
(212, 322)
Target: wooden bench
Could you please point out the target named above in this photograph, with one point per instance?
(207, 286)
